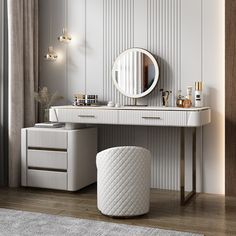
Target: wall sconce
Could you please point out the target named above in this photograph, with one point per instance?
(65, 37)
(51, 54)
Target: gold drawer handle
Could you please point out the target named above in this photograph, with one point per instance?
(86, 116)
(152, 117)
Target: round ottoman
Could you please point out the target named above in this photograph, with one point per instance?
(123, 181)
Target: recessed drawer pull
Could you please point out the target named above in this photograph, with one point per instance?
(152, 117)
(86, 116)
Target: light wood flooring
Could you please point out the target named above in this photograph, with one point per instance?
(208, 214)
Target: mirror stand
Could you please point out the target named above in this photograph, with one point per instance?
(136, 104)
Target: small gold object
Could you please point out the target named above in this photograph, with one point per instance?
(198, 86)
(179, 102)
(180, 99)
(187, 103)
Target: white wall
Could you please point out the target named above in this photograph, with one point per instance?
(213, 76)
(187, 36)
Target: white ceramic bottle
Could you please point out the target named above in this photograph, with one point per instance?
(198, 94)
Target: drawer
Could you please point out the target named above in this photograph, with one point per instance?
(47, 179)
(153, 118)
(47, 159)
(88, 116)
(198, 118)
(47, 139)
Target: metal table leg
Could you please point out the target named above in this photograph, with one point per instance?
(184, 199)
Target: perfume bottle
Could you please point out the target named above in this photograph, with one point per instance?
(187, 103)
(198, 94)
(180, 99)
(189, 93)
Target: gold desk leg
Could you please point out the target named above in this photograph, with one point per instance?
(184, 199)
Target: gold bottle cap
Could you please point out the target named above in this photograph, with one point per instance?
(198, 86)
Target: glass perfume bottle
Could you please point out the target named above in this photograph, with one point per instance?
(180, 99)
(198, 94)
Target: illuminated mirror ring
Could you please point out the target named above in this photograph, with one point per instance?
(135, 72)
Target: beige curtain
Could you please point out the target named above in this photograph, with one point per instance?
(23, 76)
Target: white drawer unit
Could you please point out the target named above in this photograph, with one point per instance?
(89, 116)
(47, 179)
(47, 159)
(57, 158)
(152, 118)
(47, 138)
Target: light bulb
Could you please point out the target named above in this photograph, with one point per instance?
(65, 37)
(51, 54)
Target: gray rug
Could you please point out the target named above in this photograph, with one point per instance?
(14, 223)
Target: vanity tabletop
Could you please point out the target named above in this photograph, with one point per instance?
(133, 108)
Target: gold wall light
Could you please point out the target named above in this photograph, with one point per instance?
(51, 54)
(65, 37)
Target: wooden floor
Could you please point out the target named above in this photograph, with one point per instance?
(207, 214)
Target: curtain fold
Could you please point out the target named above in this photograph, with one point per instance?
(3, 96)
(23, 76)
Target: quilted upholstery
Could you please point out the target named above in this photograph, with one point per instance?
(124, 181)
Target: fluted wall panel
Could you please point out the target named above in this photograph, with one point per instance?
(163, 40)
(118, 36)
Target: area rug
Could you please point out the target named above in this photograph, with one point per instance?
(24, 223)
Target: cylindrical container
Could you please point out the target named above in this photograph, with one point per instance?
(198, 94)
(179, 100)
(189, 93)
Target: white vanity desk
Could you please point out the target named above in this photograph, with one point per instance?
(144, 116)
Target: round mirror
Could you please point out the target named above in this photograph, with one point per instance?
(135, 72)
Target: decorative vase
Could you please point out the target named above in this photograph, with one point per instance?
(46, 115)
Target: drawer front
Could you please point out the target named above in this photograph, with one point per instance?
(153, 118)
(47, 179)
(47, 139)
(47, 159)
(88, 116)
(198, 118)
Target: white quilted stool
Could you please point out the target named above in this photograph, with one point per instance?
(123, 181)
